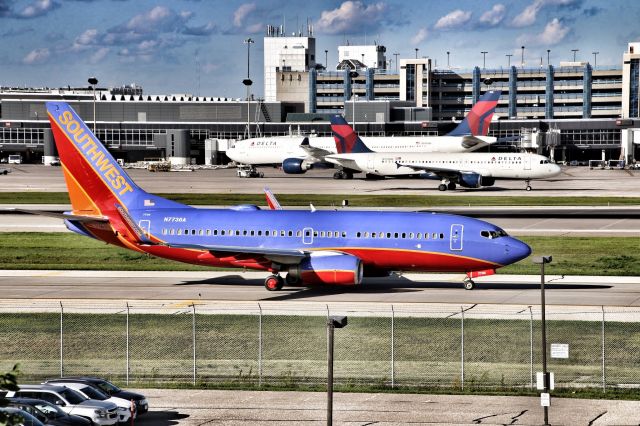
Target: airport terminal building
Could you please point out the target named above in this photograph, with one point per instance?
(573, 111)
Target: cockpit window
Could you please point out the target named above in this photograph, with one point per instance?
(492, 234)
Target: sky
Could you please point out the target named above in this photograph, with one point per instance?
(196, 46)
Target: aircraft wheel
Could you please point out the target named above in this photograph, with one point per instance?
(338, 175)
(528, 188)
(291, 279)
(451, 186)
(348, 175)
(469, 284)
(273, 283)
(442, 187)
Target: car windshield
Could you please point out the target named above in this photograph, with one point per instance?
(72, 396)
(93, 393)
(107, 387)
(49, 409)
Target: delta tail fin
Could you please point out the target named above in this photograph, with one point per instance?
(477, 122)
(346, 138)
(97, 184)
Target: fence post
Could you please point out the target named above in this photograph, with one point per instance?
(193, 333)
(259, 345)
(127, 336)
(462, 348)
(393, 367)
(61, 341)
(530, 347)
(604, 381)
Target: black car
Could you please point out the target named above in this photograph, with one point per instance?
(46, 412)
(142, 405)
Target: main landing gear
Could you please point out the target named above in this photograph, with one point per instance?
(274, 283)
(469, 284)
(343, 174)
(446, 184)
(528, 187)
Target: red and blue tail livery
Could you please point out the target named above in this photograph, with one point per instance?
(297, 247)
(477, 122)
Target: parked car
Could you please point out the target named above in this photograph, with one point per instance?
(47, 413)
(142, 405)
(4, 171)
(99, 412)
(26, 419)
(91, 392)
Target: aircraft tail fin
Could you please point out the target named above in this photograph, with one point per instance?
(346, 138)
(95, 180)
(477, 122)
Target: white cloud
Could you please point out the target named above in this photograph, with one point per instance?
(420, 36)
(37, 8)
(99, 55)
(351, 17)
(494, 16)
(242, 12)
(452, 20)
(554, 32)
(37, 56)
(528, 16)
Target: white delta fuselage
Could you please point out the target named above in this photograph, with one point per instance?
(485, 164)
(274, 150)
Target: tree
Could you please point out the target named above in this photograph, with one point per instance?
(9, 382)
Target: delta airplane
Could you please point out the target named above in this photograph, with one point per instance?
(311, 247)
(470, 170)
(298, 154)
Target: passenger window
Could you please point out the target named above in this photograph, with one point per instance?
(193, 232)
(307, 233)
(259, 232)
(419, 236)
(344, 234)
(411, 235)
(222, 232)
(291, 233)
(282, 233)
(186, 232)
(315, 233)
(395, 235)
(238, 232)
(404, 235)
(171, 231)
(442, 236)
(299, 234)
(357, 235)
(366, 234)
(200, 232)
(373, 235)
(434, 236)
(179, 231)
(388, 234)
(208, 232)
(244, 232)
(164, 231)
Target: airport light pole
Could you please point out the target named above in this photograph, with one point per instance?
(484, 58)
(448, 66)
(509, 55)
(93, 81)
(417, 52)
(247, 82)
(574, 53)
(396, 56)
(522, 57)
(326, 61)
(542, 260)
(595, 59)
(333, 322)
(548, 52)
(353, 75)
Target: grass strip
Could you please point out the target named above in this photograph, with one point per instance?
(571, 255)
(369, 200)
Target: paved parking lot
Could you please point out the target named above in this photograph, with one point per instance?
(213, 407)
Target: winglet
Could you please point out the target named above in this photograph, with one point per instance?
(347, 140)
(272, 201)
(477, 122)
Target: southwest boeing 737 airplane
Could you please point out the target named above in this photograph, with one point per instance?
(297, 154)
(311, 247)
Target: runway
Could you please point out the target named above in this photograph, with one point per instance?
(573, 181)
(248, 287)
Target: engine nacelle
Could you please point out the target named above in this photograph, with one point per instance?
(296, 166)
(474, 180)
(329, 268)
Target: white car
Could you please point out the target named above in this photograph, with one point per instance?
(91, 392)
(101, 413)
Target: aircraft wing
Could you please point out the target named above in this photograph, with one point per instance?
(313, 151)
(74, 217)
(282, 256)
(343, 161)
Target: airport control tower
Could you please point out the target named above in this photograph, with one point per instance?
(282, 52)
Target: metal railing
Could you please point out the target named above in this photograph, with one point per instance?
(257, 344)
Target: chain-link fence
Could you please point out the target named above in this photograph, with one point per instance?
(286, 344)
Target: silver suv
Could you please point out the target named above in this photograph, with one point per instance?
(101, 413)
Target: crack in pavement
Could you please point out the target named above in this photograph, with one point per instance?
(597, 417)
(514, 419)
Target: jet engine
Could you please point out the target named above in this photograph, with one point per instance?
(328, 268)
(296, 166)
(474, 180)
